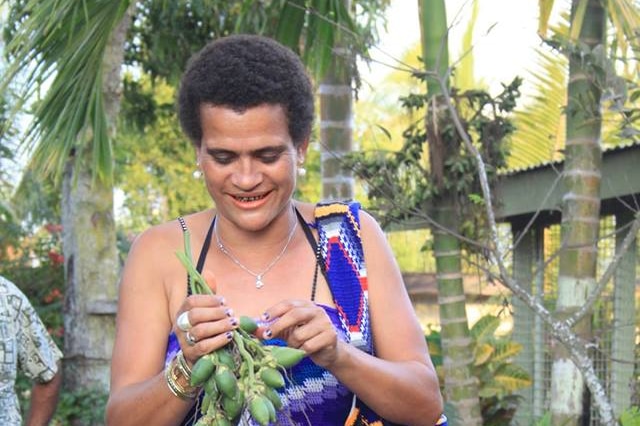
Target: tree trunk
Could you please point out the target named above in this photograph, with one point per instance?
(89, 235)
(461, 387)
(336, 126)
(580, 211)
(91, 279)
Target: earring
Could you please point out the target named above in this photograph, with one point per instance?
(301, 170)
(197, 173)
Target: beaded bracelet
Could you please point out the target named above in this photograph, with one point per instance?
(178, 379)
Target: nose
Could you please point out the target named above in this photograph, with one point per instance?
(247, 175)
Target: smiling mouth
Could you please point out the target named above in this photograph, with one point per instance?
(249, 199)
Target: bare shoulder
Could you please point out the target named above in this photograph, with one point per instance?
(152, 257)
(370, 228)
(170, 235)
(307, 210)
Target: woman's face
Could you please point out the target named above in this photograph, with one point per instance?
(249, 163)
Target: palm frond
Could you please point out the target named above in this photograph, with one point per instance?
(62, 45)
(539, 126)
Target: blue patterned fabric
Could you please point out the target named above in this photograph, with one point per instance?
(312, 396)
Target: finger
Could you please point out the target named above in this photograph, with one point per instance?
(202, 300)
(312, 336)
(207, 336)
(207, 314)
(210, 329)
(202, 347)
(315, 343)
(280, 309)
(292, 318)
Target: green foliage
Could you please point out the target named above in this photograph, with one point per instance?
(166, 33)
(499, 378)
(630, 417)
(155, 160)
(85, 407)
(432, 164)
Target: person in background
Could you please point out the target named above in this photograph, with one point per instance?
(26, 345)
(319, 277)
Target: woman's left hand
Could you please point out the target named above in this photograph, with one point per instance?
(303, 325)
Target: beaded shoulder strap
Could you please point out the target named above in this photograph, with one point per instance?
(203, 251)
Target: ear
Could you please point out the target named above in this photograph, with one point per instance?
(302, 150)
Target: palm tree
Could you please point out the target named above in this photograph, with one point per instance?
(460, 385)
(582, 173)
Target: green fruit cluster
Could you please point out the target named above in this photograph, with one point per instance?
(243, 375)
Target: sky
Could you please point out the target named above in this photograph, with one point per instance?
(504, 38)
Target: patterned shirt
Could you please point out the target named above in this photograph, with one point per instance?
(24, 344)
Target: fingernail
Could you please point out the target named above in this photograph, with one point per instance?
(266, 316)
(229, 335)
(267, 334)
(223, 301)
(228, 312)
(233, 321)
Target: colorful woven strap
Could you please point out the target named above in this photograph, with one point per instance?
(340, 244)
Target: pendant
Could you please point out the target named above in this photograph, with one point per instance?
(259, 282)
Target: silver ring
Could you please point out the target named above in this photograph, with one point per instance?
(190, 339)
(183, 321)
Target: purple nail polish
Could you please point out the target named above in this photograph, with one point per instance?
(267, 334)
(233, 321)
(228, 312)
(266, 316)
(229, 335)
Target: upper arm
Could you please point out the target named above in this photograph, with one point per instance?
(396, 331)
(37, 352)
(143, 321)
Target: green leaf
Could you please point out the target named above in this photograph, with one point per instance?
(484, 329)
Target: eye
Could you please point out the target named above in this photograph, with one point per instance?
(223, 157)
(269, 157)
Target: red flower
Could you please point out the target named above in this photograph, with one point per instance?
(53, 228)
(53, 295)
(55, 257)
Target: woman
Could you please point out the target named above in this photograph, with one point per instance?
(247, 105)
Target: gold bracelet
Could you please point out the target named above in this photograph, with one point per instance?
(184, 367)
(173, 375)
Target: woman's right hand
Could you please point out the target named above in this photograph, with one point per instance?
(209, 326)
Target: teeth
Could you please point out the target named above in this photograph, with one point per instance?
(247, 199)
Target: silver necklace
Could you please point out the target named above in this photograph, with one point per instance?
(258, 276)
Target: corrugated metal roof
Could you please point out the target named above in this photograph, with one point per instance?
(541, 164)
